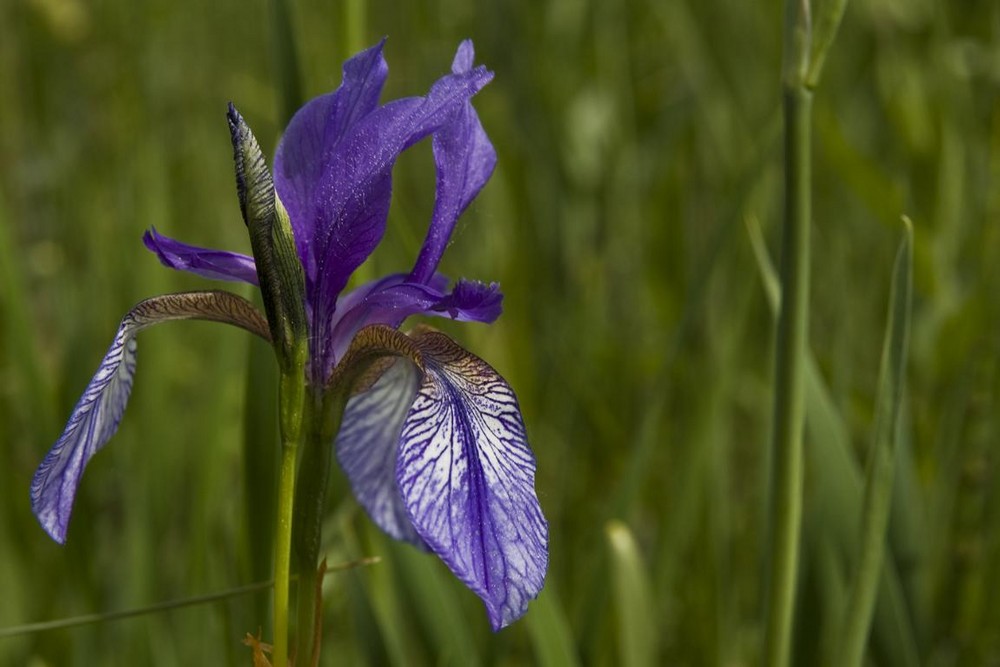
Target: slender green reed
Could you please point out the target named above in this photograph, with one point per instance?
(637, 633)
(881, 461)
(803, 59)
(793, 324)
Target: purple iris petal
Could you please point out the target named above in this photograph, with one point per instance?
(312, 137)
(214, 264)
(350, 201)
(392, 299)
(92, 423)
(467, 478)
(465, 159)
(368, 442)
(96, 415)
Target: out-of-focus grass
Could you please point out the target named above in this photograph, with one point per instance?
(634, 138)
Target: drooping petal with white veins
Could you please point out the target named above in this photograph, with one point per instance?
(368, 442)
(467, 478)
(96, 415)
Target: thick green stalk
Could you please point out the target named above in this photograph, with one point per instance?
(793, 320)
(292, 402)
(786, 504)
(322, 423)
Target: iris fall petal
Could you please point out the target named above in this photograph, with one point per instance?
(467, 478)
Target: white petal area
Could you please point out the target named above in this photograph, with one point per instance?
(467, 477)
(96, 415)
(368, 442)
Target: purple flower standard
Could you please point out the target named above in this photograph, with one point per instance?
(434, 447)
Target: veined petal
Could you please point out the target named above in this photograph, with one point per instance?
(368, 442)
(392, 299)
(352, 198)
(214, 264)
(464, 159)
(313, 134)
(96, 415)
(467, 478)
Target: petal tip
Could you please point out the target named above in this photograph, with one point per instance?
(464, 57)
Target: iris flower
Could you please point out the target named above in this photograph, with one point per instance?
(431, 439)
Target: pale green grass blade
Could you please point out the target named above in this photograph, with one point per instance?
(881, 462)
(637, 632)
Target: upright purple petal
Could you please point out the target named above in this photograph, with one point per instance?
(467, 478)
(214, 264)
(464, 159)
(96, 415)
(392, 299)
(352, 199)
(368, 442)
(312, 137)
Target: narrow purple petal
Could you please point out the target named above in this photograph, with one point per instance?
(467, 477)
(394, 298)
(351, 200)
(464, 159)
(312, 136)
(368, 442)
(96, 415)
(214, 264)
(91, 424)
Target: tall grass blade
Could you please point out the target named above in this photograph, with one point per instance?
(881, 461)
(637, 631)
(837, 491)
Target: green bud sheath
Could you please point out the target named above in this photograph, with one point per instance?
(282, 288)
(282, 284)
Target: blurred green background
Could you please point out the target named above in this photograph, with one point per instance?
(637, 140)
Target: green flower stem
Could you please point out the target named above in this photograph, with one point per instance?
(793, 319)
(322, 423)
(292, 406)
(282, 553)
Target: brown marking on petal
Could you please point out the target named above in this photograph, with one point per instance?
(372, 351)
(215, 306)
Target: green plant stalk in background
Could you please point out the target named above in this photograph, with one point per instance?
(881, 461)
(786, 503)
(804, 55)
(793, 320)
